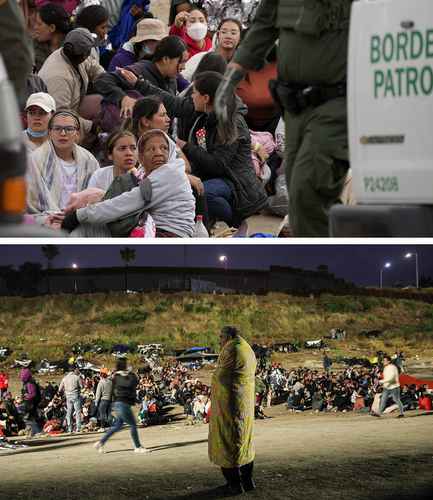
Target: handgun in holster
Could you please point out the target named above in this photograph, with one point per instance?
(284, 96)
(296, 98)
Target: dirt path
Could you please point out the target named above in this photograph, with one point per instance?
(344, 456)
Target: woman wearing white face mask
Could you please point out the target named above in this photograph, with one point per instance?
(192, 28)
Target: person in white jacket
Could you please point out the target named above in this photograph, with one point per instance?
(391, 387)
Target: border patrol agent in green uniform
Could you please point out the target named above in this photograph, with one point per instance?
(311, 89)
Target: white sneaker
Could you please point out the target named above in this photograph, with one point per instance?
(100, 447)
(141, 450)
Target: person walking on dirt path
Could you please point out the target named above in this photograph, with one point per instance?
(391, 387)
(124, 396)
(232, 412)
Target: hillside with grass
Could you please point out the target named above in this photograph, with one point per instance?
(47, 327)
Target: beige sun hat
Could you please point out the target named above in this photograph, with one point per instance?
(149, 29)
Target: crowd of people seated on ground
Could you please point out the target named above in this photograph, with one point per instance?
(113, 67)
(353, 389)
(43, 409)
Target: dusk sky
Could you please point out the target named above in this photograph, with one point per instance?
(360, 264)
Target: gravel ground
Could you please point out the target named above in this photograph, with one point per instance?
(338, 456)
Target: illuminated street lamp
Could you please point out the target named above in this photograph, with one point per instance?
(223, 259)
(75, 267)
(387, 265)
(409, 255)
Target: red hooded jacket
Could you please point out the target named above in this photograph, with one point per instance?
(192, 45)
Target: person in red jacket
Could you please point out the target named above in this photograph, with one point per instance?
(4, 383)
(192, 28)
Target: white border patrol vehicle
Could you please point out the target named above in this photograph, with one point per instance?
(390, 111)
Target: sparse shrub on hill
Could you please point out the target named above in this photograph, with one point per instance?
(161, 307)
(188, 308)
(198, 306)
(78, 304)
(121, 317)
(369, 303)
(341, 304)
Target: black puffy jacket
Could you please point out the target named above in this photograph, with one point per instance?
(231, 162)
(113, 87)
(124, 387)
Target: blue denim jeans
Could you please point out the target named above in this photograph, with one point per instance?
(71, 406)
(123, 415)
(104, 412)
(394, 394)
(219, 197)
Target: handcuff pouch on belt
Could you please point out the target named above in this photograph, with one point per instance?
(295, 98)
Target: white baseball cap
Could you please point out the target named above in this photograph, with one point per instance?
(42, 100)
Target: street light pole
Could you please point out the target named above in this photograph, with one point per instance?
(387, 265)
(224, 260)
(75, 267)
(408, 256)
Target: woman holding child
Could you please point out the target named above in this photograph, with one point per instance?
(164, 193)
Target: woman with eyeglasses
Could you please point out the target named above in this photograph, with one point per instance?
(57, 169)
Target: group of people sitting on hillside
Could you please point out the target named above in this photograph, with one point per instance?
(120, 129)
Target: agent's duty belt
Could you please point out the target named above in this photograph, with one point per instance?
(296, 98)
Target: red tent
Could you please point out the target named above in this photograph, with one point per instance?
(408, 379)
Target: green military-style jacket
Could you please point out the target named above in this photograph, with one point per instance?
(313, 39)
